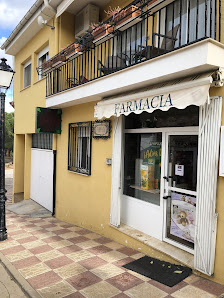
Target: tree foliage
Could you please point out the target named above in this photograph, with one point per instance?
(9, 130)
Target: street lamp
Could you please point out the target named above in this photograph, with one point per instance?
(6, 76)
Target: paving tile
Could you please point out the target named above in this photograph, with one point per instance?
(146, 290)
(83, 232)
(48, 225)
(34, 270)
(75, 228)
(28, 239)
(67, 225)
(107, 271)
(49, 255)
(60, 244)
(100, 249)
(138, 256)
(191, 291)
(12, 250)
(42, 235)
(61, 231)
(40, 249)
(16, 232)
(58, 262)
(69, 249)
(83, 280)
(59, 289)
(123, 262)
(100, 290)
(69, 235)
(92, 263)
(124, 281)
(80, 255)
(103, 240)
(78, 239)
(121, 295)
(87, 244)
(112, 256)
(191, 279)
(56, 228)
(113, 245)
(52, 239)
(30, 261)
(43, 280)
(33, 244)
(168, 290)
(31, 229)
(21, 236)
(127, 251)
(92, 236)
(8, 244)
(209, 286)
(75, 295)
(140, 276)
(70, 270)
(19, 255)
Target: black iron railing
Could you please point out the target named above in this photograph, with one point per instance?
(130, 38)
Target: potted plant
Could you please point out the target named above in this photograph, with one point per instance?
(58, 59)
(45, 67)
(73, 49)
(127, 14)
(101, 30)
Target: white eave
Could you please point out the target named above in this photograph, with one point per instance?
(28, 26)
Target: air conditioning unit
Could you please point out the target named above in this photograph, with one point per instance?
(87, 16)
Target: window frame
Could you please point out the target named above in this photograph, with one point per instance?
(24, 67)
(74, 157)
(43, 52)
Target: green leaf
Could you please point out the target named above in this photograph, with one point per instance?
(177, 271)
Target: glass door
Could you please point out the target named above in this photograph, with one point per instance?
(180, 196)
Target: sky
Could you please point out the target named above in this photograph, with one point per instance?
(11, 13)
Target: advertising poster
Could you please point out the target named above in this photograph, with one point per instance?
(183, 210)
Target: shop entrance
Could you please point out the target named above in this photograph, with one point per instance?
(180, 183)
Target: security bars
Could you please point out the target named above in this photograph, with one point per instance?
(157, 30)
(79, 147)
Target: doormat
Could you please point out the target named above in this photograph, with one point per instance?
(163, 272)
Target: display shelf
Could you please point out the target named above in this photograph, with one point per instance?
(153, 191)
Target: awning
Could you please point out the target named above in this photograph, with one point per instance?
(176, 94)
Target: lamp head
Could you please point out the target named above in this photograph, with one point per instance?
(6, 74)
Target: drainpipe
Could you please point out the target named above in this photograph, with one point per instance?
(46, 3)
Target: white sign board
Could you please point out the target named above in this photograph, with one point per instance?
(179, 170)
(221, 159)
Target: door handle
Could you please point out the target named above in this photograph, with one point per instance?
(166, 197)
(166, 178)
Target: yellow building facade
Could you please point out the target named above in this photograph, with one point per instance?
(165, 112)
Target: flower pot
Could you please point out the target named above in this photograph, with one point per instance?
(99, 31)
(73, 49)
(127, 14)
(46, 66)
(58, 59)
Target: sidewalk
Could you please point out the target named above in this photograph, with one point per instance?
(62, 260)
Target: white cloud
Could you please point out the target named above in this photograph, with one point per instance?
(11, 12)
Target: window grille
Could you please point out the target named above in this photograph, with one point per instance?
(79, 147)
(42, 141)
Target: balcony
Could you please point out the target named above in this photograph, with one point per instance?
(138, 33)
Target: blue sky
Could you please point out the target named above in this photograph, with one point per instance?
(11, 12)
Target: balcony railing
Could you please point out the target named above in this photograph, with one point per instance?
(127, 39)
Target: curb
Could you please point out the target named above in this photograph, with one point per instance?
(21, 282)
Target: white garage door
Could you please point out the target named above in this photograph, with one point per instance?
(42, 171)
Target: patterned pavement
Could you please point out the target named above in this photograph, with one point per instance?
(63, 260)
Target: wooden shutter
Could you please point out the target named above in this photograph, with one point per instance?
(208, 154)
(116, 172)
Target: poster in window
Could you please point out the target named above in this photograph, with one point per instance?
(183, 210)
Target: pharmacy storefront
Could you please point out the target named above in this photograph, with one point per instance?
(165, 164)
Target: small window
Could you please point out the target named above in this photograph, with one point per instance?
(27, 74)
(43, 56)
(79, 147)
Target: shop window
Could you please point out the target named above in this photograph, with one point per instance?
(142, 166)
(27, 74)
(43, 56)
(79, 147)
(171, 118)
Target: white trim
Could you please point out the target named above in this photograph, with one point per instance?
(188, 192)
(221, 158)
(43, 52)
(116, 172)
(177, 130)
(27, 63)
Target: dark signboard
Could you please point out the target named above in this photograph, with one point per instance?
(48, 120)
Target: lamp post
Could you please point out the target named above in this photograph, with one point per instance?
(6, 76)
